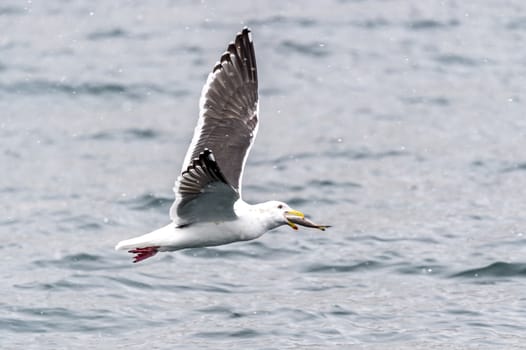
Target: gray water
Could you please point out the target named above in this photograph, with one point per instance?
(400, 123)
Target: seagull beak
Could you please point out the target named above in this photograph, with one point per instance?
(293, 214)
(295, 218)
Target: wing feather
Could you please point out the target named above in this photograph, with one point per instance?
(228, 110)
(225, 131)
(204, 193)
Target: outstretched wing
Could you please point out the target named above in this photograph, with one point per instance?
(227, 126)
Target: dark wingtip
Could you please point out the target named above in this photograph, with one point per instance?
(226, 57)
(217, 67)
(206, 155)
(206, 159)
(245, 32)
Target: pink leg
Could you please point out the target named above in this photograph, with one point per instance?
(143, 253)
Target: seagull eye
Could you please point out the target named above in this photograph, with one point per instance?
(280, 206)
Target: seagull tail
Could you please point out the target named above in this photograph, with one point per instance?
(154, 238)
(142, 247)
(130, 244)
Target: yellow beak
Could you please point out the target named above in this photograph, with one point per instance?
(295, 213)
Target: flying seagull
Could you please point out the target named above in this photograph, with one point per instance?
(208, 209)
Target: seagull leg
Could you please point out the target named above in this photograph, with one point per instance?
(143, 253)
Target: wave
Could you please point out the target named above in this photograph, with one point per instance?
(430, 24)
(311, 49)
(364, 154)
(497, 269)
(148, 201)
(339, 268)
(80, 261)
(456, 59)
(279, 19)
(126, 134)
(515, 167)
(130, 90)
(107, 34)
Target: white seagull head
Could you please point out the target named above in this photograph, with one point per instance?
(277, 213)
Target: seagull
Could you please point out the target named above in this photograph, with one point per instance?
(208, 209)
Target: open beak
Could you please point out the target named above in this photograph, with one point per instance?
(292, 214)
(295, 218)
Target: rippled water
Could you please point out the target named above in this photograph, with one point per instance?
(400, 123)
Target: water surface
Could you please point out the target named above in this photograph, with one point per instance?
(399, 123)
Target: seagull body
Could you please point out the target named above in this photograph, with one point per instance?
(208, 209)
(207, 234)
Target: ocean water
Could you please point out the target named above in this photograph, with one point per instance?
(400, 123)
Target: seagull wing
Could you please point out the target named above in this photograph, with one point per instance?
(225, 131)
(203, 193)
